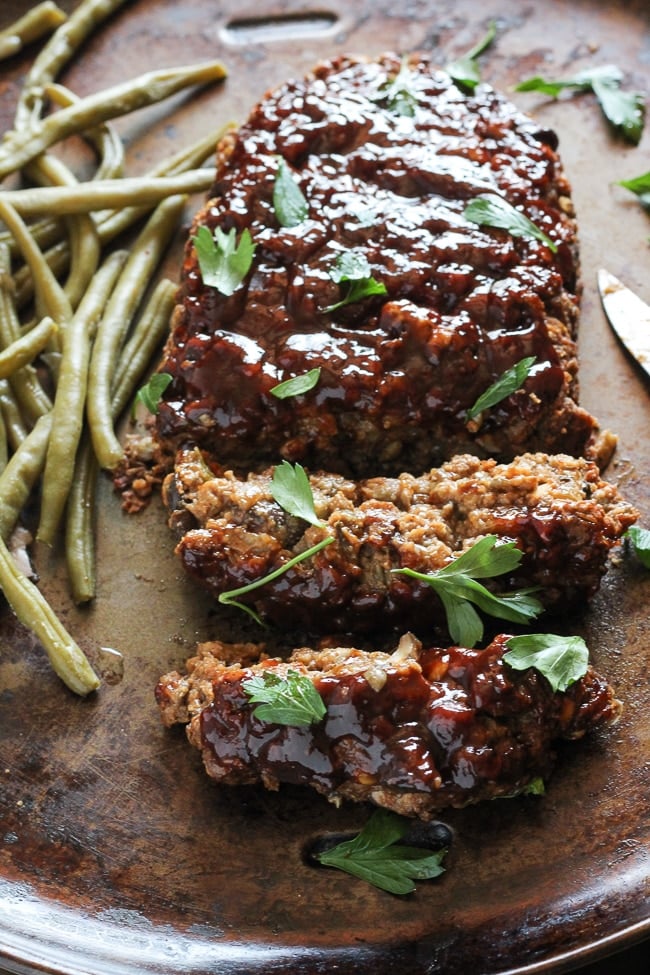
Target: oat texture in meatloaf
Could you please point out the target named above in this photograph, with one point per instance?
(414, 730)
(388, 182)
(560, 512)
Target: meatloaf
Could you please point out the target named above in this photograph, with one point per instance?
(557, 509)
(415, 730)
(387, 155)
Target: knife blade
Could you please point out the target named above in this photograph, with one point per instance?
(628, 316)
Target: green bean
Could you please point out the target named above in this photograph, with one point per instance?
(106, 140)
(108, 193)
(50, 295)
(80, 527)
(60, 48)
(57, 259)
(26, 348)
(24, 144)
(13, 421)
(41, 19)
(21, 474)
(33, 611)
(143, 259)
(68, 409)
(4, 446)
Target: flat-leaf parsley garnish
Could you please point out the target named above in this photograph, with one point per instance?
(624, 110)
(640, 186)
(399, 93)
(508, 382)
(465, 70)
(151, 393)
(459, 591)
(290, 700)
(353, 272)
(640, 539)
(223, 261)
(562, 660)
(297, 385)
(491, 210)
(377, 856)
(289, 202)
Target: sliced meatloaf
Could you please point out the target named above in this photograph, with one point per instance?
(557, 509)
(414, 731)
(387, 155)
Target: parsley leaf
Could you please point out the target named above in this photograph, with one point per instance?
(459, 592)
(291, 700)
(151, 393)
(562, 660)
(493, 211)
(224, 264)
(399, 93)
(465, 70)
(640, 185)
(353, 271)
(297, 385)
(289, 201)
(377, 856)
(292, 491)
(640, 539)
(624, 110)
(508, 382)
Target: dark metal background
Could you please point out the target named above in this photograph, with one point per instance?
(116, 854)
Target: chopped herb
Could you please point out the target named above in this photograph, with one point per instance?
(231, 598)
(292, 491)
(354, 273)
(377, 856)
(151, 393)
(562, 660)
(297, 385)
(224, 264)
(399, 93)
(507, 383)
(535, 787)
(291, 700)
(640, 185)
(459, 592)
(493, 211)
(465, 70)
(640, 539)
(289, 202)
(624, 110)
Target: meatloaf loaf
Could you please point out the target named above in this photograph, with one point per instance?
(387, 155)
(414, 730)
(557, 509)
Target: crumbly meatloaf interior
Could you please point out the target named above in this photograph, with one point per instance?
(463, 303)
(415, 730)
(558, 510)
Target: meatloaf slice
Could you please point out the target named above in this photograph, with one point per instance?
(414, 730)
(386, 179)
(560, 512)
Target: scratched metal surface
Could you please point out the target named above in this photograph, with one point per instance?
(116, 854)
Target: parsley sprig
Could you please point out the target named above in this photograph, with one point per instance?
(291, 700)
(508, 382)
(353, 272)
(459, 591)
(640, 186)
(289, 202)
(465, 69)
(224, 263)
(493, 211)
(151, 393)
(562, 660)
(399, 92)
(640, 539)
(297, 385)
(377, 856)
(624, 110)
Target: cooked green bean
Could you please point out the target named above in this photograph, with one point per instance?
(80, 526)
(108, 193)
(13, 420)
(21, 474)
(4, 446)
(116, 321)
(59, 49)
(49, 294)
(41, 19)
(104, 137)
(69, 402)
(24, 144)
(26, 348)
(33, 611)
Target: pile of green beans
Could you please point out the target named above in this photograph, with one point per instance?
(76, 336)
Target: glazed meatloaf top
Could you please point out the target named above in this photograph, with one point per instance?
(387, 155)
